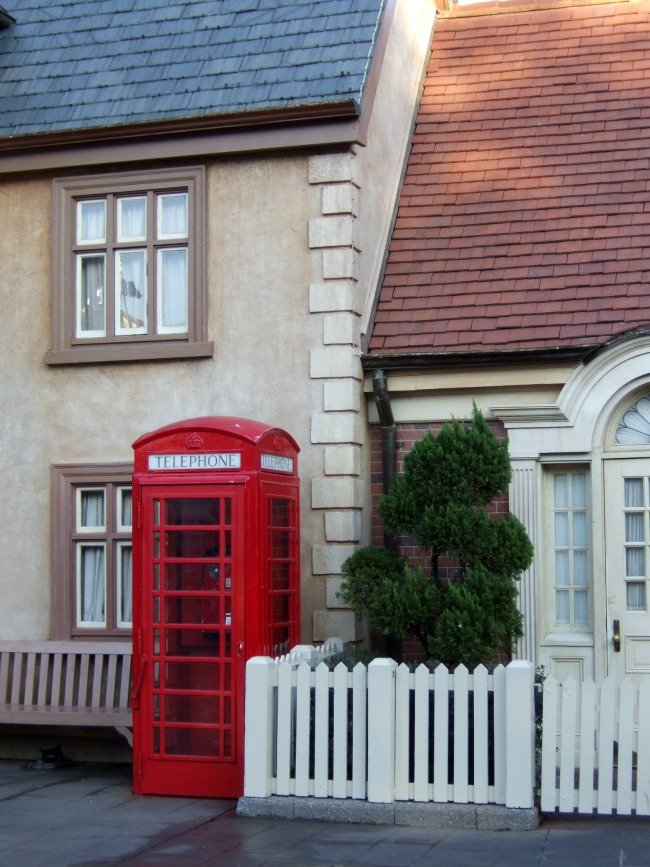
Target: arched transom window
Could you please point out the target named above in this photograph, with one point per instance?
(634, 425)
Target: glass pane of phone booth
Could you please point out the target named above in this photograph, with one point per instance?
(191, 601)
(282, 572)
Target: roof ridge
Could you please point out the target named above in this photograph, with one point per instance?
(453, 9)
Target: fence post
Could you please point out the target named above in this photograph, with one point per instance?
(381, 731)
(258, 728)
(520, 734)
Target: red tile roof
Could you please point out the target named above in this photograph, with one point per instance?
(524, 219)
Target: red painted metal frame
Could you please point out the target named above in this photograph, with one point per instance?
(252, 489)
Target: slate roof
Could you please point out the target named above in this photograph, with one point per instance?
(67, 65)
(524, 219)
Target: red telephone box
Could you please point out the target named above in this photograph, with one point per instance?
(215, 581)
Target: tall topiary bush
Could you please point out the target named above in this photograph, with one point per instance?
(440, 501)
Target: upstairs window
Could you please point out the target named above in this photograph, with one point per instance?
(128, 274)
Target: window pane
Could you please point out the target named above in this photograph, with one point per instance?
(91, 222)
(579, 529)
(579, 490)
(172, 291)
(131, 219)
(634, 527)
(633, 493)
(125, 561)
(562, 568)
(561, 529)
(91, 312)
(561, 491)
(634, 562)
(131, 292)
(91, 509)
(562, 607)
(172, 216)
(581, 607)
(635, 592)
(91, 585)
(580, 568)
(124, 508)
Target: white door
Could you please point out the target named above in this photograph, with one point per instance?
(627, 539)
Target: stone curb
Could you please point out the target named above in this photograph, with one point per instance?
(483, 817)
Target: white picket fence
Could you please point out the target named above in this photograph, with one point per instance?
(384, 733)
(596, 747)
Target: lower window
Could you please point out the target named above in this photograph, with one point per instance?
(570, 548)
(92, 554)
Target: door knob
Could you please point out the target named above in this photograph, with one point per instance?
(616, 636)
(240, 648)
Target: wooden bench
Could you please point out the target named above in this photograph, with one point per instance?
(66, 683)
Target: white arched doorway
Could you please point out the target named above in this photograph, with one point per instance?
(581, 485)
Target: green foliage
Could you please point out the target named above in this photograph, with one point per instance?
(440, 502)
(395, 600)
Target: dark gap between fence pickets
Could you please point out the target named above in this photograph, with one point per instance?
(411, 734)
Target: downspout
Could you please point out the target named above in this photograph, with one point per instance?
(388, 438)
(388, 472)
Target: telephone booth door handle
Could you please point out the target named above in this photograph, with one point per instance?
(240, 648)
(134, 701)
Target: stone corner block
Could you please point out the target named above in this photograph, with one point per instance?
(334, 231)
(340, 199)
(496, 817)
(341, 622)
(343, 526)
(331, 362)
(328, 559)
(331, 168)
(331, 297)
(336, 492)
(340, 263)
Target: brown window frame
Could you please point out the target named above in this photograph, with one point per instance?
(66, 347)
(66, 479)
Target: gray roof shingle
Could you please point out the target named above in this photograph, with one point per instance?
(67, 65)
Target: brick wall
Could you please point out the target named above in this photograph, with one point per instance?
(407, 434)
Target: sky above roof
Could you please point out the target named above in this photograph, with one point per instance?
(524, 218)
(67, 65)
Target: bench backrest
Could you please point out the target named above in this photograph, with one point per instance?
(65, 674)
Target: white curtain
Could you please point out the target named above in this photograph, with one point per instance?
(91, 221)
(133, 220)
(172, 215)
(92, 583)
(172, 281)
(126, 572)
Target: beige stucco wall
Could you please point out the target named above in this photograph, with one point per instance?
(258, 275)
(295, 248)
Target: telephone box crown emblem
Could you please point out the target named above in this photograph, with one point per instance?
(194, 441)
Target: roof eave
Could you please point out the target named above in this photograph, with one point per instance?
(442, 360)
(267, 118)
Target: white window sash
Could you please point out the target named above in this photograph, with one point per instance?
(88, 218)
(96, 303)
(128, 219)
(91, 585)
(124, 584)
(85, 511)
(172, 291)
(131, 291)
(172, 216)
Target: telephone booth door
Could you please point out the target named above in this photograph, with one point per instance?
(192, 619)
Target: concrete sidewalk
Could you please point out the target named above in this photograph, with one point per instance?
(86, 815)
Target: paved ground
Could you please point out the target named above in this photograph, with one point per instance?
(86, 815)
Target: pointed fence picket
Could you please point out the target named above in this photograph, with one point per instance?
(596, 747)
(386, 733)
